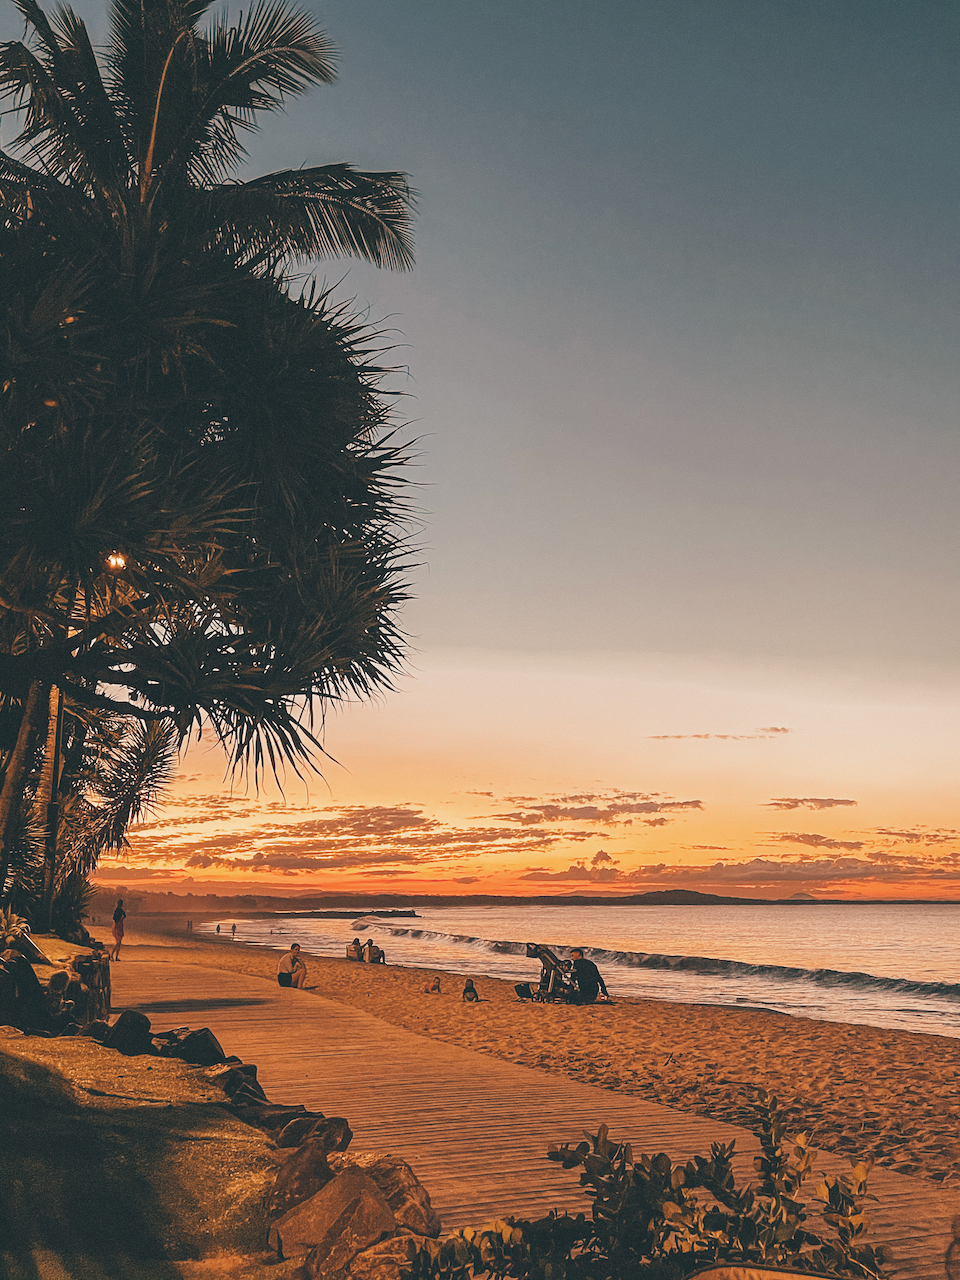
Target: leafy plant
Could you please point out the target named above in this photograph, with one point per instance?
(71, 903)
(12, 928)
(647, 1220)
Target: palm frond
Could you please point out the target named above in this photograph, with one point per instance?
(236, 71)
(134, 775)
(325, 212)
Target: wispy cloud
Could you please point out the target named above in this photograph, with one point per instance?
(920, 835)
(770, 732)
(806, 802)
(814, 840)
(616, 809)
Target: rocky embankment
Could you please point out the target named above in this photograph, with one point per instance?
(157, 1147)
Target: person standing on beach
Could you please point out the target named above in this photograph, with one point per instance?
(587, 977)
(118, 918)
(291, 971)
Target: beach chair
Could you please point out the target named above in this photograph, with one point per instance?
(354, 952)
(553, 986)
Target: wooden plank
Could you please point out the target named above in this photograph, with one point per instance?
(474, 1128)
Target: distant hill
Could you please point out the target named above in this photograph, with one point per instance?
(149, 903)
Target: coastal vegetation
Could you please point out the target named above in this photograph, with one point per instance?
(648, 1221)
(203, 513)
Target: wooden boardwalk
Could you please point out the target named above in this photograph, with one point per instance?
(475, 1129)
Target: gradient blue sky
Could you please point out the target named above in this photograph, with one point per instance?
(682, 353)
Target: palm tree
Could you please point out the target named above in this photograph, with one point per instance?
(115, 771)
(202, 515)
(141, 143)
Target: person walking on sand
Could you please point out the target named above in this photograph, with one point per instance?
(233, 931)
(291, 971)
(587, 977)
(118, 918)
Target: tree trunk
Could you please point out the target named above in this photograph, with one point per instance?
(47, 807)
(17, 767)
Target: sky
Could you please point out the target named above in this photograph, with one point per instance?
(679, 352)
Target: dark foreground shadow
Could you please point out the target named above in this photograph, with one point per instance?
(195, 1006)
(104, 1194)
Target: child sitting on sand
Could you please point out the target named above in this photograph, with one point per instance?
(470, 993)
(432, 988)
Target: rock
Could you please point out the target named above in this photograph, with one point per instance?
(8, 996)
(95, 1030)
(249, 1095)
(383, 1261)
(271, 1115)
(334, 1225)
(332, 1132)
(24, 1002)
(292, 1134)
(403, 1191)
(302, 1176)
(130, 1034)
(201, 1048)
(7, 1032)
(232, 1078)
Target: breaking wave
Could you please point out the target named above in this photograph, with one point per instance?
(689, 964)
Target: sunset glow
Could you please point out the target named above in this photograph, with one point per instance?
(515, 775)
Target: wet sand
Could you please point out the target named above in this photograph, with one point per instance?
(890, 1096)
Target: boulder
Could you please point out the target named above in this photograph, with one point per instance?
(8, 996)
(269, 1116)
(334, 1225)
(249, 1095)
(292, 1134)
(22, 998)
(130, 1034)
(315, 1123)
(403, 1191)
(7, 1032)
(301, 1176)
(201, 1048)
(95, 1030)
(233, 1077)
(385, 1260)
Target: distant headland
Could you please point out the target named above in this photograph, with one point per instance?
(348, 905)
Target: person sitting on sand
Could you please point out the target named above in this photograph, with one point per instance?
(355, 950)
(372, 954)
(432, 988)
(291, 971)
(586, 975)
(118, 918)
(470, 993)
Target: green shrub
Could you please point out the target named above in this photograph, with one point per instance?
(648, 1220)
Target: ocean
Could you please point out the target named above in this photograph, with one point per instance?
(883, 965)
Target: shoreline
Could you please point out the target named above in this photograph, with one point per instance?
(863, 1092)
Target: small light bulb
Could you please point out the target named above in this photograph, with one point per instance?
(116, 561)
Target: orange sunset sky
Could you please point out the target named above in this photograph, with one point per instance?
(519, 773)
(679, 353)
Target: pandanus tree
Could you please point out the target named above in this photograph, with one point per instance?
(203, 516)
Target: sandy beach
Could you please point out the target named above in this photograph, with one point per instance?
(890, 1096)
